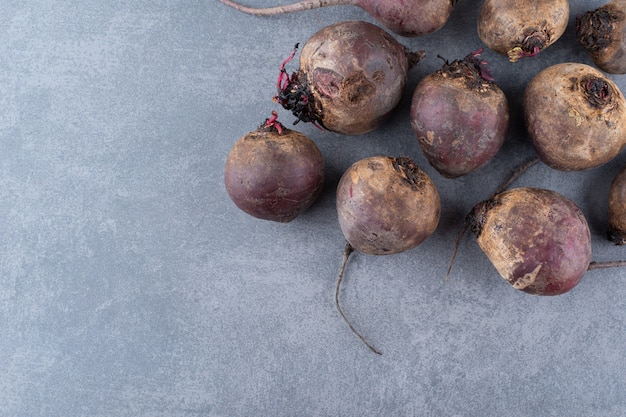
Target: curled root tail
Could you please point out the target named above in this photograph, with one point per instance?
(346, 255)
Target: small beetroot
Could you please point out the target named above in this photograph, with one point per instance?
(274, 173)
(460, 116)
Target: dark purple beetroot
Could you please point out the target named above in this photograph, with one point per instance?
(538, 240)
(460, 116)
(602, 32)
(352, 75)
(274, 173)
(617, 209)
(404, 17)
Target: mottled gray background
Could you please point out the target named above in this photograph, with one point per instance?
(130, 285)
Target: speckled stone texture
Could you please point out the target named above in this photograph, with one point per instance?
(130, 285)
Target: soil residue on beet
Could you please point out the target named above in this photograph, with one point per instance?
(356, 89)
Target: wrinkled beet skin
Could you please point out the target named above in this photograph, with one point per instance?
(617, 209)
(459, 128)
(602, 32)
(410, 18)
(506, 24)
(569, 129)
(274, 176)
(383, 211)
(538, 240)
(356, 72)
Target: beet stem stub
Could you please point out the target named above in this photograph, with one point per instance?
(473, 69)
(532, 44)
(594, 29)
(294, 94)
(597, 91)
(272, 124)
(409, 171)
(348, 249)
(475, 220)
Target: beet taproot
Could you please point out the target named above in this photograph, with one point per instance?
(521, 28)
(404, 17)
(351, 77)
(575, 116)
(602, 32)
(274, 173)
(460, 116)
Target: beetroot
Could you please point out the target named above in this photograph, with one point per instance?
(617, 209)
(575, 116)
(274, 173)
(602, 32)
(521, 28)
(385, 206)
(460, 116)
(537, 239)
(352, 75)
(406, 18)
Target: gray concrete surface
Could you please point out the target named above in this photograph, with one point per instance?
(130, 285)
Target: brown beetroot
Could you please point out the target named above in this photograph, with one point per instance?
(386, 205)
(274, 173)
(575, 116)
(522, 28)
(460, 116)
(617, 209)
(352, 75)
(602, 32)
(538, 240)
(404, 17)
